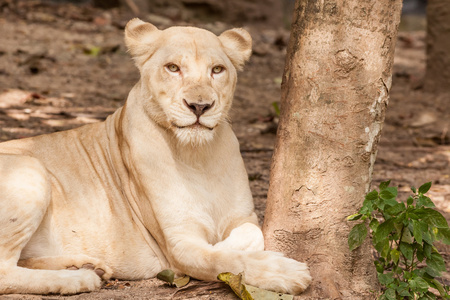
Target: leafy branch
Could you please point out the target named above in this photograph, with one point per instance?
(408, 263)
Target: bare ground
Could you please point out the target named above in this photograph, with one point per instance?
(63, 66)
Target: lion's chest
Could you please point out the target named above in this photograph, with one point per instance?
(203, 200)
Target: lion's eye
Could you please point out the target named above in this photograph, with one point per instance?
(173, 68)
(217, 69)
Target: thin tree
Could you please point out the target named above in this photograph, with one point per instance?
(334, 96)
(437, 77)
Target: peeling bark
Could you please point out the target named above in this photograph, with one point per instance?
(334, 96)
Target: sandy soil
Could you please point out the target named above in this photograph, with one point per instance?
(63, 66)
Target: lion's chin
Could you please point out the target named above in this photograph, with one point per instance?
(195, 135)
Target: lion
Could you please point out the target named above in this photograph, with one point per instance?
(160, 184)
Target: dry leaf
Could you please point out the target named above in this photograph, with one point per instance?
(182, 281)
(236, 282)
(166, 275)
(169, 277)
(248, 292)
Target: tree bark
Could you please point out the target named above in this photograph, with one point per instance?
(437, 78)
(334, 95)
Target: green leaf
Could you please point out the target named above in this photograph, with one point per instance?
(428, 237)
(385, 279)
(407, 275)
(413, 189)
(390, 294)
(379, 266)
(418, 273)
(395, 255)
(419, 251)
(403, 292)
(410, 200)
(427, 249)
(390, 202)
(388, 197)
(385, 194)
(383, 230)
(372, 196)
(437, 285)
(443, 235)
(417, 231)
(425, 188)
(379, 203)
(413, 216)
(432, 217)
(412, 284)
(407, 250)
(397, 270)
(425, 201)
(354, 217)
(396, 209)
(382, 246)
(436, 218)
(436, 262)
(432, 272)
(400, 219)
(385, 250)
(357, 236)
(368, 203)
(419, 284)
(383, 185)
(393, 190)
(407, 237)
(374, 224)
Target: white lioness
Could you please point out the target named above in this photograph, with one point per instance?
(160, 184)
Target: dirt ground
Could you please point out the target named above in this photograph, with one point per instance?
(64, 65)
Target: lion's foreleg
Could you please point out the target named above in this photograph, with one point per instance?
(269, 270)
(247, 237)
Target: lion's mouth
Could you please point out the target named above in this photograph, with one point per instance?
(196, 125)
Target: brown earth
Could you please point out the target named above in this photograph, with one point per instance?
(63, 66)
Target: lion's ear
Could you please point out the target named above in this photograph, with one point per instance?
(237, 43)
(140, 39)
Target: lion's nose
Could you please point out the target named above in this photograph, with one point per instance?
(198, 109)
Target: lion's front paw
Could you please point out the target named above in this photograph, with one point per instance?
(79, 281)
(278, 273)
(90, 263)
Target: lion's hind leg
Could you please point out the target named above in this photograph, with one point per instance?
(25, 194)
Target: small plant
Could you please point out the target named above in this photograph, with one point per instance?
(403, 235)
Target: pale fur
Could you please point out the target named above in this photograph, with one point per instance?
(145, 190)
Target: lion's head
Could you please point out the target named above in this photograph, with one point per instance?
(188, 75)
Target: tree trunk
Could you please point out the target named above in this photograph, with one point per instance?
(334, 95)
(437, 78)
